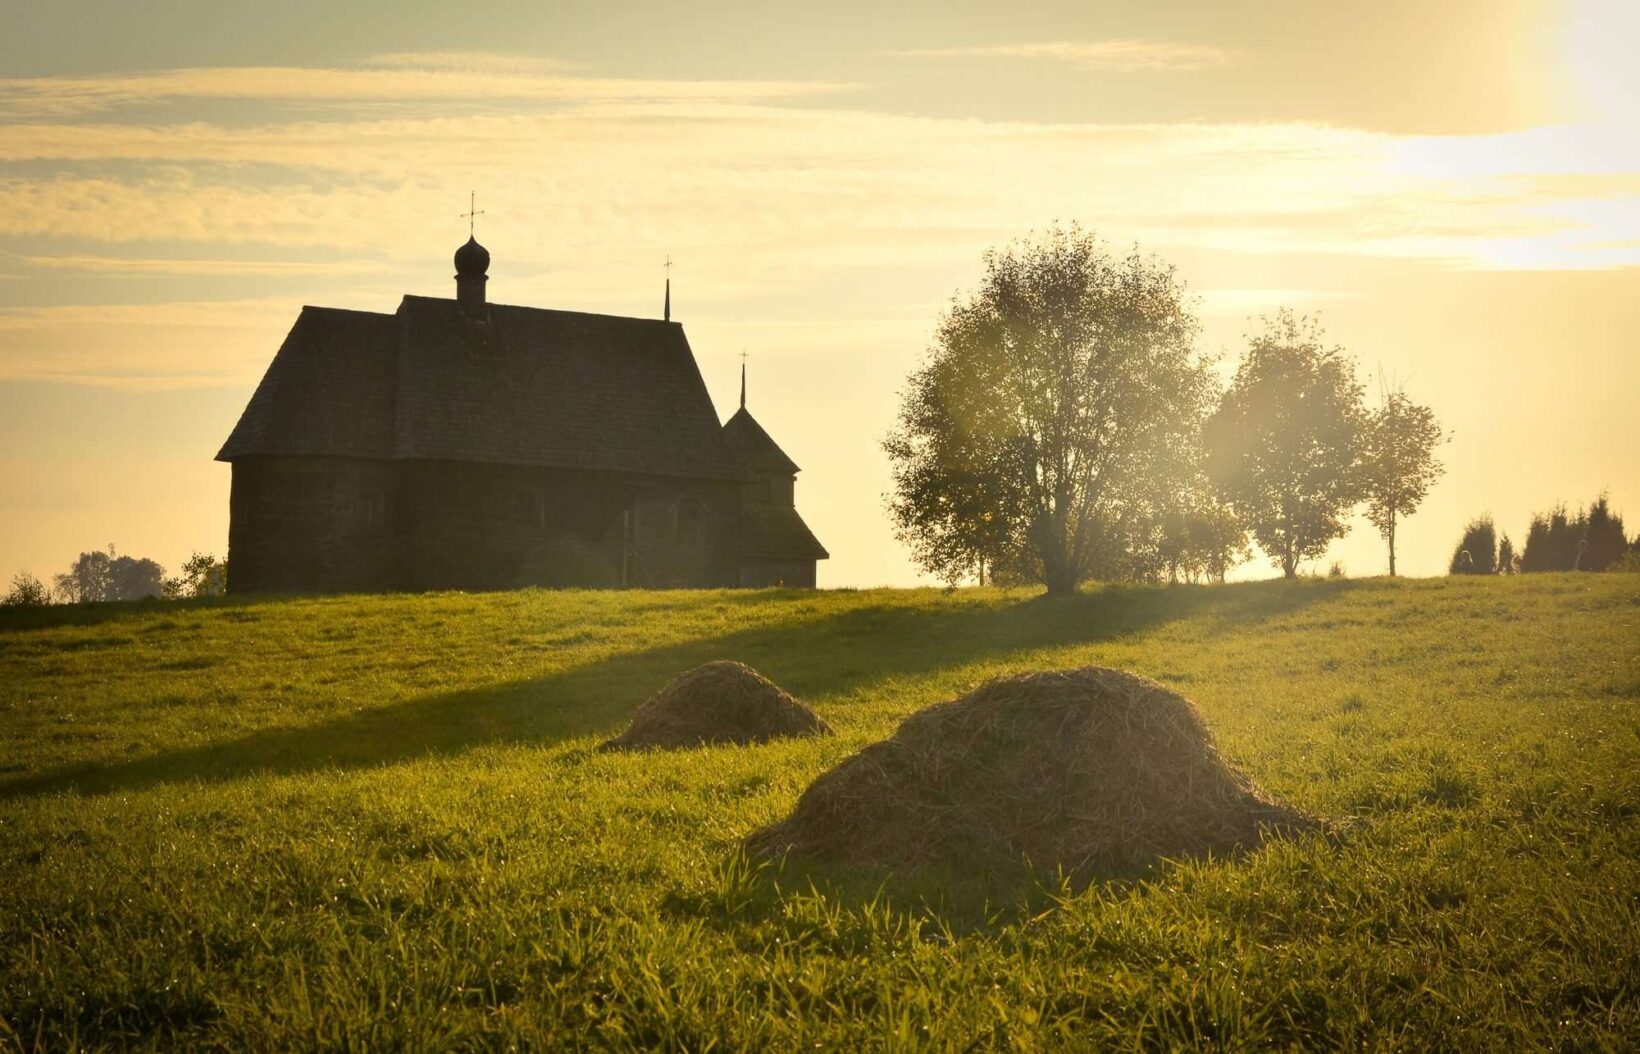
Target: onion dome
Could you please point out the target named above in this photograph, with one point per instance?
(472, 259)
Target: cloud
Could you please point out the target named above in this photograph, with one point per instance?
(833, 184)
(1122, 56)
(797, 219)
(468, 61)
(414, 78)
(151, 346)
(159, 266)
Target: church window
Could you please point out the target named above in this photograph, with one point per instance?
(370, 511)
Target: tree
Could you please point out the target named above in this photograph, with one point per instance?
(1508, 562)
(98, 576)
(26, 591)
(203, 575)
(1284, 445)
(1200, 539)
(1593, 540)
(1603, 530)
(1477, 551)
(132, 578)
(1058, 408)
(87, 579)
(1535, 555)
(1398, 464)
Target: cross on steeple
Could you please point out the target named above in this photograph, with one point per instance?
(472, 212)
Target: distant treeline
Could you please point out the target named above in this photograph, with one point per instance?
(1593, 540)
(100, 576)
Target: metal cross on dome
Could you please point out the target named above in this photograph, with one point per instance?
(473, 211)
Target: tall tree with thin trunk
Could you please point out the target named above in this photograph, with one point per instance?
(1061, 402)
(1284, 446)
(1398, 464)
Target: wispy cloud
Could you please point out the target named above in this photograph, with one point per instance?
(164, 267)
(444, 76)
(1122, 56)
(585, 196)
(833, 181)
(165, 345)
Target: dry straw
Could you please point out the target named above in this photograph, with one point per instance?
(1088, 769)
(720, 702)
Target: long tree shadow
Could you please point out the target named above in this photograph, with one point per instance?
(829, 655)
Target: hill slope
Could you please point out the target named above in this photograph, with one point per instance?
(380, 821)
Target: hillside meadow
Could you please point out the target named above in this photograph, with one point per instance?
(364, 823)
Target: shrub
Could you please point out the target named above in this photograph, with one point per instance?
(26, 592)
(1477, 551)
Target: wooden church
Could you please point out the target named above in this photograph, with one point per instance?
(459, 444)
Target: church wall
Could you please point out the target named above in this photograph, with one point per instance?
(343, 525)
(309, 524)
(479, 526)
(476, 526)
(684, 533)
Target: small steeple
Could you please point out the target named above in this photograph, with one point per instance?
(666, 312)
(743, 380)
(472, 261)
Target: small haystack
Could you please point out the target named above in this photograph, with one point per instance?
(1089, 769)
(721, 702)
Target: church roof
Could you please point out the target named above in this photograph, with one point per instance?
(778, 531)
(532, 387)
(755, 446)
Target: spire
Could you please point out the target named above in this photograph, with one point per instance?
(666, 312)
(743, 380)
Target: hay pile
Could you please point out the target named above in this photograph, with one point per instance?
(721, 702)
(1089, 769)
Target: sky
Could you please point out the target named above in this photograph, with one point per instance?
(1453, 188)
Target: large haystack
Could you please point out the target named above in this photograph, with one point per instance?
(721, 702)
(1089, 769)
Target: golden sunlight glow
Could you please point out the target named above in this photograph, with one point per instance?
(159, 229)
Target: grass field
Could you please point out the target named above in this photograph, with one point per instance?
(368, 823)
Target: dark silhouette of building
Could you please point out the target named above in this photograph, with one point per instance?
(458, 444)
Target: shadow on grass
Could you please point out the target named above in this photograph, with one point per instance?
(52, 616)
(828, 655)
(849, 909)
(840, 904)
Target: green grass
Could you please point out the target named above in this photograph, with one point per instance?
(371, 823)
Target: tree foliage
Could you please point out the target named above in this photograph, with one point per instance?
(1398, 464)
(98, 576)
(1593, 540)
(1603, 531)
(1285, 444)
(26, 591)
(1477, 551)
(203, 575)
(1056, 418)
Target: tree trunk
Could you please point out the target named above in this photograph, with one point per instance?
(1391, 548)
(1061, 582)
(1059, 572)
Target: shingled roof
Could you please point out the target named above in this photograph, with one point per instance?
(532, 387)
(755, 446)
(329, 390)
(778, 531)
